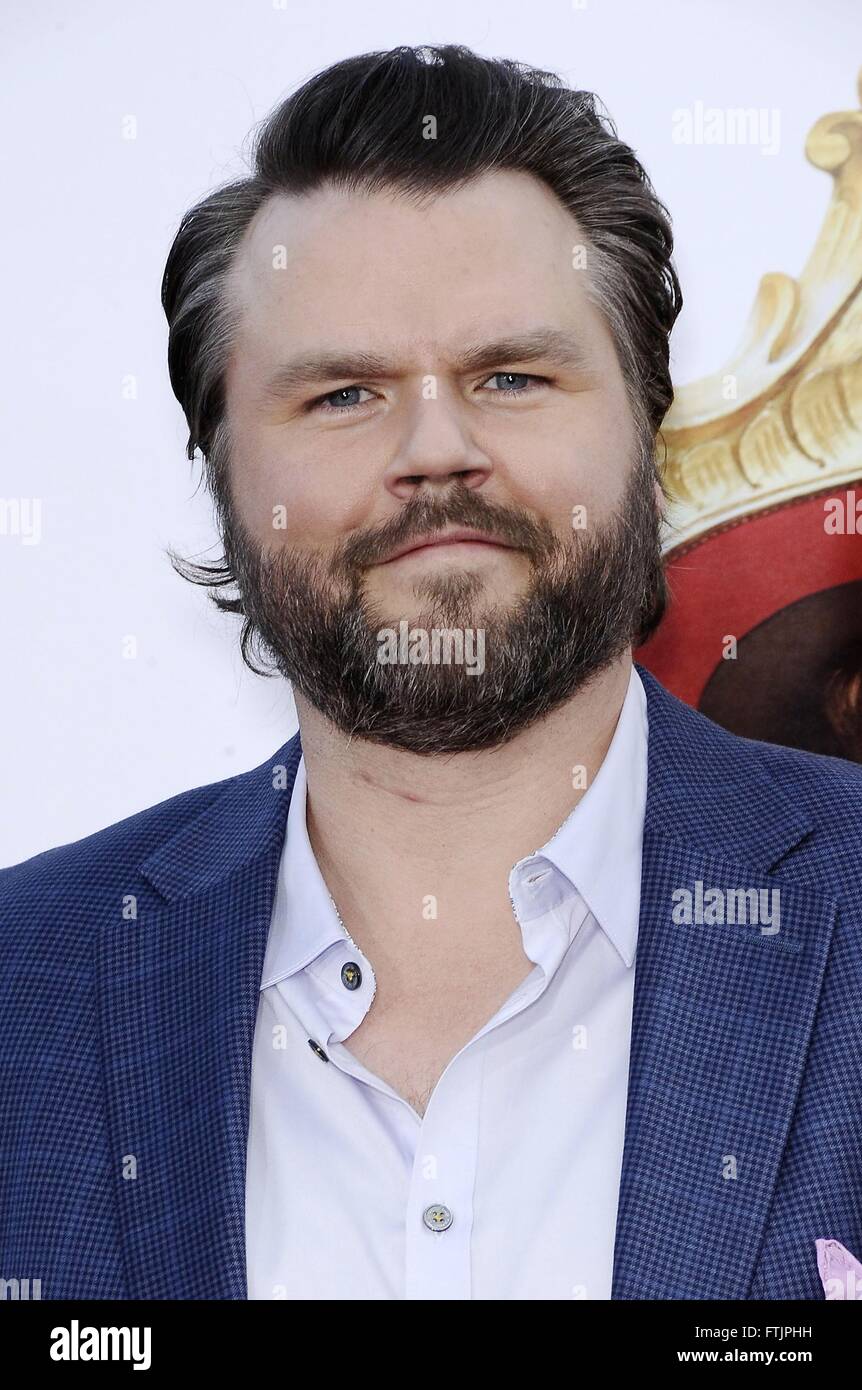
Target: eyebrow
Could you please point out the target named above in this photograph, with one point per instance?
(558, 345)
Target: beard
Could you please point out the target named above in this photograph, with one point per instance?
(586, 602)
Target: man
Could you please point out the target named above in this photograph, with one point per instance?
(510, 976)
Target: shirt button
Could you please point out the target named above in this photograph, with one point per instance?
(317, 1050)
(437, 1218)
(351, 975)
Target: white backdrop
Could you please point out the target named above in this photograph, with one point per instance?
(90, 736)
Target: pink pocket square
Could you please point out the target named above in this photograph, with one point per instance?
(840, 1272)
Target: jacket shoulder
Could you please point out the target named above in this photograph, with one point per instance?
(75, 879)
(818, 772)
(831, 787)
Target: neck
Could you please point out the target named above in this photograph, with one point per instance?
(388, 827)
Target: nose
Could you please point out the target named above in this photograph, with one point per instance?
(436, 451)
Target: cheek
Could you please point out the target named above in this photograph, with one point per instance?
(285, 500)
(580, 463)
(257, 495)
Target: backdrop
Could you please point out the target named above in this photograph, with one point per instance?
(121, 685)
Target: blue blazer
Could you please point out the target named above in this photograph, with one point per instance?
(131, 962)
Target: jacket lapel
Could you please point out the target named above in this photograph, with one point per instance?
(178, 992)
(722, 1014)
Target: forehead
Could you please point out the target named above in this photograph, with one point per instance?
(328, 265)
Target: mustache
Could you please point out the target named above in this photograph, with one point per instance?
(428, 514)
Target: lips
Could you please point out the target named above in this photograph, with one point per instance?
(442, 538)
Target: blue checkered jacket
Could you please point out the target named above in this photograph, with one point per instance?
(129, 976)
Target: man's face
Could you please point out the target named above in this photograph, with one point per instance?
(399, 372)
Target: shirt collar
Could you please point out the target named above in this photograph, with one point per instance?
(304, 917)
(597, 849)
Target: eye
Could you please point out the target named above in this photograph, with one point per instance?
(343, 407)
(336, 402)
(534, 383)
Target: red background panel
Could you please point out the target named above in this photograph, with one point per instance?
(735, 578)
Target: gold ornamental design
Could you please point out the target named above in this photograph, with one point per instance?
(783, 418)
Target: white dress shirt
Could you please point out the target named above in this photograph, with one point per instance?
(507, 1187)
